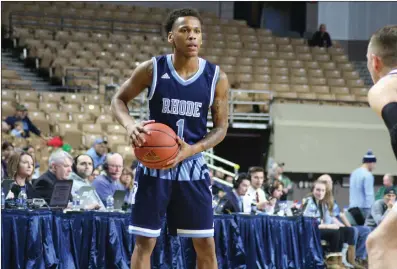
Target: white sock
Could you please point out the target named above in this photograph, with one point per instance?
(344, 256)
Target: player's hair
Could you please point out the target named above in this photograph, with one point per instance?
(177, 13)
(384, 42)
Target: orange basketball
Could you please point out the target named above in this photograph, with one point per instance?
(160, 147)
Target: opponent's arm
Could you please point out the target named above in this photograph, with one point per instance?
(140, 79)
(220, 116)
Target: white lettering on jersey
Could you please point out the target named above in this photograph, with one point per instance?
(181, 107)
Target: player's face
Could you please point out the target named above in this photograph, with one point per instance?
(186, 36)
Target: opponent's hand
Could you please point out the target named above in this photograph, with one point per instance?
(185, 151)
(134, 131)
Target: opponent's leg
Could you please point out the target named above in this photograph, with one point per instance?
(142, 251)
(382, 243)
(205, 250)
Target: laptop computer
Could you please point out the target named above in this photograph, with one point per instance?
(6, 185)
(118, 197)
(60, 194)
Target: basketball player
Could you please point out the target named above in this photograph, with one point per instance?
(182, 88)
(382, 97)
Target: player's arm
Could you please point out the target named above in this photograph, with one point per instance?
(140, 79)
(220, 116)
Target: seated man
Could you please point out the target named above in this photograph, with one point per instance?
(98, 152)
(388, 181)
(60, 166)
(233, 201)
(108, 183)
(381, 208)
(82, 168)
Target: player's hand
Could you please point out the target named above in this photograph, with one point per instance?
(185, 151)
(134, 131)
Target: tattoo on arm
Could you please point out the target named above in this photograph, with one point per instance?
(220, 115)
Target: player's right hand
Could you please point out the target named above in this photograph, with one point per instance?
(134, 132)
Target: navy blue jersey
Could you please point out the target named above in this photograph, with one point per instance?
(182, 104)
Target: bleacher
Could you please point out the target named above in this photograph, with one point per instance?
(67, 35)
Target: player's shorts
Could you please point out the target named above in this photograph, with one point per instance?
(182, 194)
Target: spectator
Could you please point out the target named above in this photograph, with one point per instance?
(233, 201)
(21, 114)
(255, 194)
(229, 179)
(275, 192)
(81, 169)
(31, 150)
(316, 206)
(219, 174)
(127, 180)
(98, 152)
(60, 166)
(109, 182)
(20, 168)
(6, 151)
(362, 185)
(277, 173)
(381, 208)
(94, 174)
(360, 232)
(18, 129)
(388, 181)
(321, 38)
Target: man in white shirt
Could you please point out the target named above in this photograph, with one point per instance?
(255, 194)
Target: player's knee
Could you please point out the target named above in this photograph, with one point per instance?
(204, 245)
(145, 245)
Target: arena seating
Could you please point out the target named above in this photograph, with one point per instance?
(96, 38)
(252, 58)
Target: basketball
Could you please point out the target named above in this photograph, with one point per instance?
(160, 147)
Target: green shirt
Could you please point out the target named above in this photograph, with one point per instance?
(381, 192)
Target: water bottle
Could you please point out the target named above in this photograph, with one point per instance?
(3, 199)
(22, 197)
(110, 203)
(76, 202)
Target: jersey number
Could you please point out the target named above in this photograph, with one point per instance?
(181, 124)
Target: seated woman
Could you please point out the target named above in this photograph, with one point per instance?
(316, 206)
(275, 191)
(339, 219)
(20, 168)
(127, 180)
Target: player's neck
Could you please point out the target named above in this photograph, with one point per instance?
(185, 64)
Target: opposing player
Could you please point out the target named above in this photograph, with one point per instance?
(182, 88)
(382, 97)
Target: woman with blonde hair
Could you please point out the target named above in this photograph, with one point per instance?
(342, 221)
(316, 206)
(20, 168)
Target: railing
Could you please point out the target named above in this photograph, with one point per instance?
(64, 22)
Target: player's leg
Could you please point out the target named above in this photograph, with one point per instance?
(205, 250)
(190, 211)
(143, 249)
(151, 202)
(382, 243)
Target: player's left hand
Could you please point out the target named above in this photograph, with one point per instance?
(185, 151)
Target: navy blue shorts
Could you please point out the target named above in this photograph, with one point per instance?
(182, 195)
